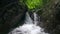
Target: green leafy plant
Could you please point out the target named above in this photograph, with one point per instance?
(34, 3)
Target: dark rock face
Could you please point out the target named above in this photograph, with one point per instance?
(50, 18)
(12, 14)
(31, 15)
(3, 3)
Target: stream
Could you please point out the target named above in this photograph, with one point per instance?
(29, 27)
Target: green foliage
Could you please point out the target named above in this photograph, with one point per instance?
(34, 3)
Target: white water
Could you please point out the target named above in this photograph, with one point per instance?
(28, 20)
(35, 18)
(29, 27)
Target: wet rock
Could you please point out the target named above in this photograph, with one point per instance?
(12, 14)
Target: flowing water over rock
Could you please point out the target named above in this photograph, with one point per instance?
(30, 26)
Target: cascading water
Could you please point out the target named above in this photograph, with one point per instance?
(30, 26)
(28, 20)
(35, 18)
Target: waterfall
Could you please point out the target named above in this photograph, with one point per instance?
(35, 18)
(30, 26)
(28, 19)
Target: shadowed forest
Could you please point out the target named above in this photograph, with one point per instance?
(13, 12)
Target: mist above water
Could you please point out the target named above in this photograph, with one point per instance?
(30, 26)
